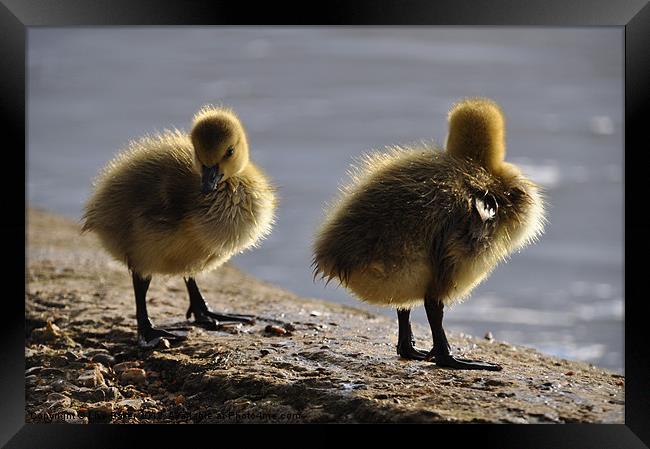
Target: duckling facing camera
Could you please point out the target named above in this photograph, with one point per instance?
(179, 204)
(422, 225)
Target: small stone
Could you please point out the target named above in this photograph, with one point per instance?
(489, 336)
(43, 389)
(120, 367)
(103, 358)
(61, 385)
(288, 326)
(89, 394)
(180, 399)
(163, 343)
(56, 397)
(314, 313)
(275, 330)
(91, 378)
(111, 393)
(73, 357)
(130, 404)
(135, 376)
(58, 361)
(56, 401)
(33, 370)
(50, 332)
(264, 352)
(231, 328)
(100, 412)
(569, 373)
(51, 372)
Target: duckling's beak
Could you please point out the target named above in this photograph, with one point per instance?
(210, 178)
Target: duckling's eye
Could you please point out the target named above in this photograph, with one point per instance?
(229, 152)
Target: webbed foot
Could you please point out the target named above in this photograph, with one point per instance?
(150, 337)
(446, 360)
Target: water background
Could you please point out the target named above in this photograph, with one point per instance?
(314, 98)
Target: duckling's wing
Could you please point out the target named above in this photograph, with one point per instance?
(486, 207)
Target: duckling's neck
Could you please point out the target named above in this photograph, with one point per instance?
(486, 150)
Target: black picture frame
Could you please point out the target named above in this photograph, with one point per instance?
(634, 15)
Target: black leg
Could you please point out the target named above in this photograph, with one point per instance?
(205, 317)
(441, 353)
(148, 335)
(405, 340)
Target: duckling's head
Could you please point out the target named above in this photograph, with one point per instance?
(220, 146)
(477, 132)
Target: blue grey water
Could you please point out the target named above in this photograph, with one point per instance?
(313, 99)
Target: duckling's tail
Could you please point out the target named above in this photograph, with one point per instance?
(477, 132)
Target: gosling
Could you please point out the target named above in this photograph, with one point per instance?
(425, 225)
(179, 204)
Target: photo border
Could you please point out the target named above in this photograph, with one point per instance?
(634, 15)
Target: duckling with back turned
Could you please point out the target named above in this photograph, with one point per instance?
(424, 225)
(175, 203)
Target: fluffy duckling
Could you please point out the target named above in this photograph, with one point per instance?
(181, 204)
(425, 225)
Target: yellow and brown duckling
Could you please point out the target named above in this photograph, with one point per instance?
(179, 204)
(422, 225)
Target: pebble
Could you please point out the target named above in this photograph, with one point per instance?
(104, 358)
(180, 399)
(61, 385)
(58, 361)
(50, 332)
(89, 394)
(489, 336)
(264, 352)
(73, 356)
(275, 330)
(57, 397)
(51, 372)
(133, 376)
(288, 326)
(130, 404)
(33, 370)
(120, 367)
(111, 393)
(102, 411)
(56, 401)
(91, 378)
(231, 328)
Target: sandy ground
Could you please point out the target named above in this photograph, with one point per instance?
(322, 362)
